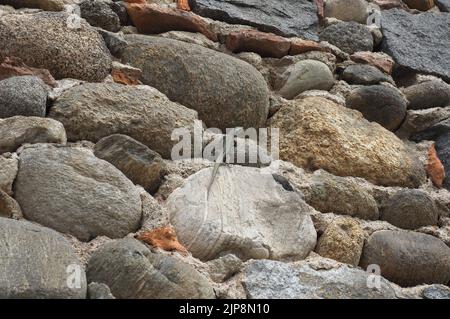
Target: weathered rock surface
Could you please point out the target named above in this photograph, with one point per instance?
(305, 75)
(99, 291)
(364, 74)
(232, 219)
(343, 241)
(9, 208)
(381, 61)
(265, 44)
(428, 94)
(154, 19)
(18, 130)
(92, 111)
(285, 17)
(13, 66)
(47, 5)
(9, 166)
(224, 267)
(347, 10)
(131, 270)
(436, 292)
(22, 95)
(266, 279)
(99, 13)
(226, 92)
(379, 103)
(317, 133)
(139, 163)
(419, 120)
(408, 258)
(425, 50)
(421, 5)
(37, 263)
(410, 209)
(44, 40)
(72, 191)
(350, 37)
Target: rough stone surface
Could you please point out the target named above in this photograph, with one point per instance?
(22, 95)
(233, 219)
(99, 291)
(410, 209)
(381, 61)
(92, 111)
(431, 38)
(379, 103)
(9, 208)
(18, 130)
(99, 13)
(47, 5)
(434, 167)
(408, 258)
(265, 44)
(266, 279)
(72, 191)
(350, 37)
(428, 94)
(139, 163)
(222, 268)
(225, 91)
(13, 66)
(317, 133)
(436, 292)
(154, 19)
(35, 263)
(44, 40)
(419, 120)
(9, 166)
(347, 10)
(343, 241)
(303, 76)
(284, 17)
(364, 74)
(131, 270)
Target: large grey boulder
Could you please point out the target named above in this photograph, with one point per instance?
(266, 279)
(226, 92)
(37, 262)
(18, 130)
(282, 17)
(22, 95)
(408, 258)
(51, 41)
(72, 191)
(131, 270)
(95, 110)
(246, 213)
(427, 49)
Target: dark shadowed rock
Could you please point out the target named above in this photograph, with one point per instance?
(427, 95)
(47, 5)
(9, 166)
(378, 103)
(23, 95)
(95, 110)
(18, 130)
(139, 163)
(427, 49)
(410, 209)
(131, 270)
(364, 74)
(45, 40)
(9, 208)
(226, 92)
(36, 262)
(444, 5)
(283, 17)
(408, 258)
(100, 14)
(99, 291)
(350, 37)
(72, 191)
